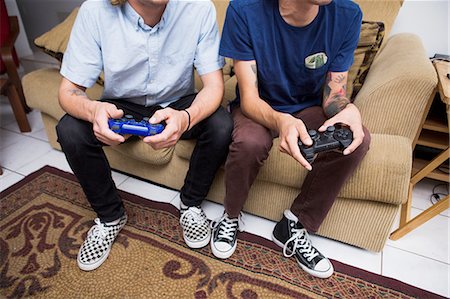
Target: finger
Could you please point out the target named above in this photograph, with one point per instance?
(295, 153)
(116, 113)
(161, 137)
(304, 136)
(106, 141)
(329, 122)
(358, 137)
(100, 129)
(159, 116)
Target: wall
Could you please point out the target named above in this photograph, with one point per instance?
(427, 18)
(430, 20)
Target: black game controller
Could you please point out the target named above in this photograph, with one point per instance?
(335, 137)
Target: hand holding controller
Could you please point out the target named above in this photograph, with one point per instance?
(333, 138)
(127, 125)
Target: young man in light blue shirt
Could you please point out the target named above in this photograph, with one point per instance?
(147, 50)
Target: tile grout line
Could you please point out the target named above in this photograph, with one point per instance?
(423, 256)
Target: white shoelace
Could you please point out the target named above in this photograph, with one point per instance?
(228, 226)
(302, 243)
(98, 232)
(193, 215)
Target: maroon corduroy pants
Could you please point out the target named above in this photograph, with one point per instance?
(250, 148)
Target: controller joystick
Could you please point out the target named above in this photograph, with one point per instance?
(334, 138)
(127, 125)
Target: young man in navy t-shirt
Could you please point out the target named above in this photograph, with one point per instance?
(291, 61)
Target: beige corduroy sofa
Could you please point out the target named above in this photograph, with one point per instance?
(392, 101)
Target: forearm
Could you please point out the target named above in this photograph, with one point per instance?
(74, 101)
(259, 111)
(205, 103)
(208, 99)
(252, 105)
(334, 94)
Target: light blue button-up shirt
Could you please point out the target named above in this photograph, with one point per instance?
(142, 64)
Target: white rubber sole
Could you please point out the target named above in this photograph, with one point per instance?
(198, 244)
(93, 266)
(319, 274)
(222, 254)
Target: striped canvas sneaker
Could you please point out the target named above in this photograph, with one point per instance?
(98, 243)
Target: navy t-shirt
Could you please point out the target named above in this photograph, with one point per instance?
(289, 79)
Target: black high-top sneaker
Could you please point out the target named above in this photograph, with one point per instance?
(290, 235)
(224, 235)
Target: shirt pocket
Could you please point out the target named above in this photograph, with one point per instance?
(312, 80)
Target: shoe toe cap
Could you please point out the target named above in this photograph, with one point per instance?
(324, 266)
(222, 246)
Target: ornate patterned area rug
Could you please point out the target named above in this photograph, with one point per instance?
(44, 218)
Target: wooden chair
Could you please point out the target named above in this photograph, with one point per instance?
(11, 86)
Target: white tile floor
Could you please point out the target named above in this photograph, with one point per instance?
(421, 258)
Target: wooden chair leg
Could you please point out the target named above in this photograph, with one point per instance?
(18, 109)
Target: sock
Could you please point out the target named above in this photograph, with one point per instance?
(115, 222)
(289, 215)
(183, 206)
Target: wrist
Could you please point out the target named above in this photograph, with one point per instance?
(188, 120)
(92, 107)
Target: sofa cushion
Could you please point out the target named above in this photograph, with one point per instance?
(370, 39)
(138, 150)
(382, 176)
(54, 42)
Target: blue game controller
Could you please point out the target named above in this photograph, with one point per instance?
(127, 125)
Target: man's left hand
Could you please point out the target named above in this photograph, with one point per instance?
(176, 125)
(351, 117)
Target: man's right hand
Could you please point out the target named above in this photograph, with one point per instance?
(101, 113)
(290, 129)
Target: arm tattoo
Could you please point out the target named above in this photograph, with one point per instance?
(256, 74)
(76, 92)
(339, 79)
(334, 101)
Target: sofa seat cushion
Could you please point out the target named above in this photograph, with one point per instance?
(138, 150)
(382, 176)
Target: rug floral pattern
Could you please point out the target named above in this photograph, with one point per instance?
(45, 218)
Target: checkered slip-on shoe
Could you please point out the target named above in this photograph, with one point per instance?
(98, 243)
(195, 225)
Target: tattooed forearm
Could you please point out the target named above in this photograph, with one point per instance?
(334, 94)
(256, 74)
(335, 105)
(76, 92)
(339, 79)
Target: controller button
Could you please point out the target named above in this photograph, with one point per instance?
(313, 134)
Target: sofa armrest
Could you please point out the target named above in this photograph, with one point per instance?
(398, 87)
(41, 91)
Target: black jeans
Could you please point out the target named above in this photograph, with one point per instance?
(86, 157)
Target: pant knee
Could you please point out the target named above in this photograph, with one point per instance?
(72, 132)
(220, 128)
(250, 149)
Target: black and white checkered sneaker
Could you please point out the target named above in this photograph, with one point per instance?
(98, 243)
(224, 235)
(195, 225)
